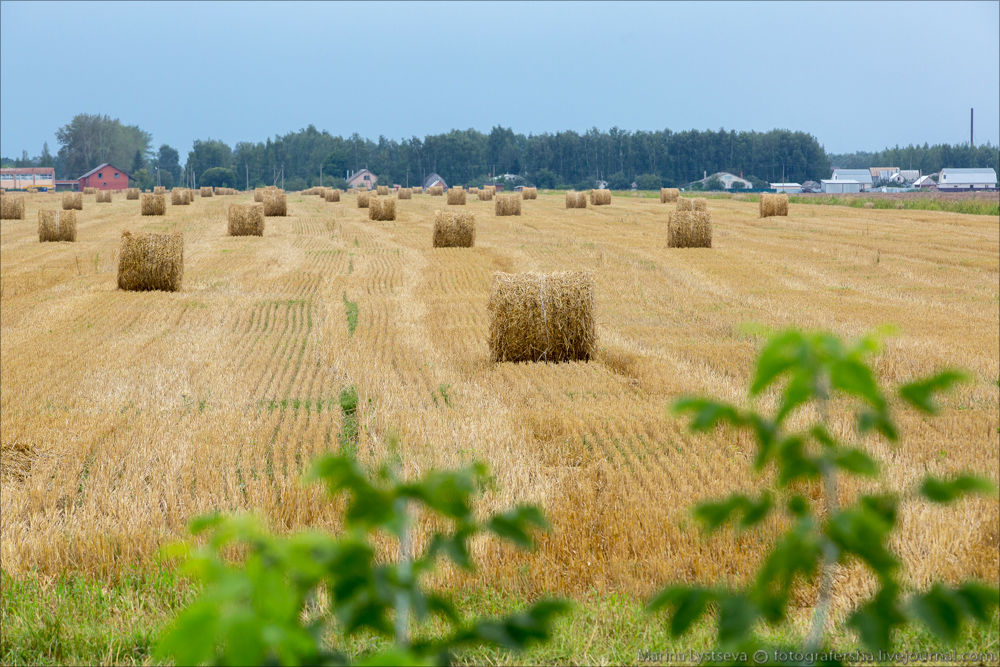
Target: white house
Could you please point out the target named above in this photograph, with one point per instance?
(925, 182)
(862, 176)
(979, 178)
(362, 179)
(790, 188)
(841, 186)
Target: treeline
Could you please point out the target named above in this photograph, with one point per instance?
(928, 159)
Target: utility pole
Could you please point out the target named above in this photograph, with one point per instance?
(247, 165)
(282, 175)
(320, 175)
(971, 126)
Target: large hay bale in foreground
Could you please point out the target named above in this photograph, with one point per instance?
(207, 192)
(275, 204)
(576, 199)
(529, 193)
(382, 190)
(180, 197)
(159, 189)
(454, 230)
(772, 205)
(56, 226)
(12, 207)
(669, 195)
(132, 193)
(436, 191)
(600, 197)
(246, 219)
(153, 204)
(507, 204)
(699, 204)
(151, 261)
(72, 201)
(542, 317)
(456, 196)
(485, 194)
(332, 195)
(404, 193)
(689, 229)
(104, 196)
(363, 197)
(685, 204)
(381, 208)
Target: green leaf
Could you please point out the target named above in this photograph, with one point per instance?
(940, 610)
(979, 600)
(519, 631)
(856, 461)
(781, 353)
(191, 639)
(863, 530)
(875, 620)
(945, 491)
(714, 515)
(920, 394)
(516, 524)
(396, 656)
(798, 506)
(853, 377)
(878, 421)
(688, 604)
(708, 413)
(793, 463)
(737, 616)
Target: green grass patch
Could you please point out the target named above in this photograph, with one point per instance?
(351, 309)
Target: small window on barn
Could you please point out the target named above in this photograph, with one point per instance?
(100, 175)
(116, 174)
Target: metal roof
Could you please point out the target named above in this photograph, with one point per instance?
(861, 175)
(841, 180)
(979, 175)
(786, 185)
(102, 166)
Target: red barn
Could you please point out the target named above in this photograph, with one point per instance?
(104, 177)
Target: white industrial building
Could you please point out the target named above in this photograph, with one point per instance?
(789, 188)
(842, 186)
(979, 178)
(860, 176)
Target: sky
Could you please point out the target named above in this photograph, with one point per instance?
(857, 76)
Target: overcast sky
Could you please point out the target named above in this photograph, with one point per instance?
(858, 76)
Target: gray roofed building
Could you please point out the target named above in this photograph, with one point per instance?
(862, 176)
(978, 178)
(433, 180)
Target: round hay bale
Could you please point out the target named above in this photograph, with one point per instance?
(258, 195)
(454, 229)
(132, 193)
(275, 204)
(456, 196)
(485, 194)
(404, 193)
(180, 197)
(246, 219)
(72, 201)
(56, 226)
(529, 193)
(332, 195)
(699, 204)
(773, 205)
(151, 261)
(685, 204)
(417, 190)
(507, 204)
(576, 199)
(207, 192)
(669, 195)
(159, 190)
(104, 196)
(382, 190)
(89, 191)
(381, 208)
(12, 207)
(600, 197)
(363, 197)
(153, 204)
(436, 191)
(689, 229)
(542, 317)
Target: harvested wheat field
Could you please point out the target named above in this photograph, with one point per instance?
(125, 414)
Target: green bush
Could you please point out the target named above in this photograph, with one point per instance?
(649, 182)
(217, 177)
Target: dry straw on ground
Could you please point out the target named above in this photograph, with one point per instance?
(381, 208)
(332, 195)
(600, 197)
(507, 204)
(772, 205)
(669, 195)
(454, 230)
(542, 317)
(56, 226)
(275, 204)
(151, 261)
(404, 193)
(207, 192)
(529, 193)
(72, 201)
(153, 204)
(576, 199)
(104, 196)
(486, 194)
(689, 229)
(382, 190)
(246, 219)
(363, 198)
(12, 207)
(132, 193)
(159, 190)
(456, 196)
(180, 197)
(436, 190)
(89, 191)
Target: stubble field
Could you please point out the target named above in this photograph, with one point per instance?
(124, 415)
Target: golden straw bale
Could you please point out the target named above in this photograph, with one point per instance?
(507, 204)
(258, 195)
(153, 204)
(454, 230)
(529, 193)
(576, 199)
(332, 195)
(689, 229)
(56, 226)
(151, 261)
(382, 190)
(72, 201)
(417, 190)
(404, 193)
(246, 219)
(89, 191)
(456, 196)
(104, 196)
(600, 197)
(159, 190)
(132, 193)
(381, 208)
(485, 194)
(685, 204)
(12, 207)
(275, 204)
(772, 205)
(669, 195)
(207, 192)
(699, 204)
(542, 317)
(363, 197)
(179, 197)
(436, 191)
(492, 188)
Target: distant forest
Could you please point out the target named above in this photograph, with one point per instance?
(560, 160)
